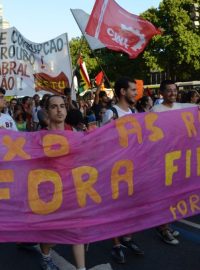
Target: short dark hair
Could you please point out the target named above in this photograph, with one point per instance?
(122, 82)
(74, 117)
(141, 103)
(67, 91)
(24, 99)
(47, 101)
(102, 94)
(36, 95)
(2, 90)
(165, 83)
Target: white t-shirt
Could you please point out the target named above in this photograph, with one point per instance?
(176, 106)
(109, 114)
(7, 122)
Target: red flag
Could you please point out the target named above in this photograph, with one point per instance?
(118, 29)
(99, 78)
(55, 85)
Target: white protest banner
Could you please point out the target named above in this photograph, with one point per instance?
(27, 67)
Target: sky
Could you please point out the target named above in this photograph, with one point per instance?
(42, 20)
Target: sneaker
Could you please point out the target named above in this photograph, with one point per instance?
(118, 254)
(168, 237)
(47, 264)
(175, 233)
(133, 246)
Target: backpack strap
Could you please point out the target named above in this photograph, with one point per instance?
(115, 113)
(133, 110)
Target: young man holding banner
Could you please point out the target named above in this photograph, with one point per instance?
(169, 91)
(125, 90)
(57, 112)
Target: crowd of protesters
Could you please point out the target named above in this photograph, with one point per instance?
(29, 113)
(54, 112)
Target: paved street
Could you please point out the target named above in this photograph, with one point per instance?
(158, 255)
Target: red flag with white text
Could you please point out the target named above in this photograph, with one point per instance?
(118, 29)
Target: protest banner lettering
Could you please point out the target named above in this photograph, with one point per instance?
(27, 67)
(136, 172)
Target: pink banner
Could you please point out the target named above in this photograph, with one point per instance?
(65, 187)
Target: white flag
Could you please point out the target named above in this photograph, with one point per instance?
(82, 18)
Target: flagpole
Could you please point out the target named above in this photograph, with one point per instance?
(78, 53)
(101, 67)
(72, 73)
(83, 37)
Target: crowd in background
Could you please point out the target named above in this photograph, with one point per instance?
(87, 112)
(54, 112)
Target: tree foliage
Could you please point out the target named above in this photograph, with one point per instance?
(176, 52)
(79, 46)
(114, 64)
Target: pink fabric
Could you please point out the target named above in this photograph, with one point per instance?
(152, 200)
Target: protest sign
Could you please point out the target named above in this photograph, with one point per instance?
(27, 67)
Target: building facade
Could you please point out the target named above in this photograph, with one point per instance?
(3, 22)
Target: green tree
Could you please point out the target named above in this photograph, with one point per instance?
(177, 51)
(79, 45)
(114, 64)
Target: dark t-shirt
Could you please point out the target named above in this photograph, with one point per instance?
(96, 109)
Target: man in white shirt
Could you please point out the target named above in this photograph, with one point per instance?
(6, 120)
(169, 91)
(125, 90)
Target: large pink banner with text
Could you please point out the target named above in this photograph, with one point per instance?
(68, 187)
